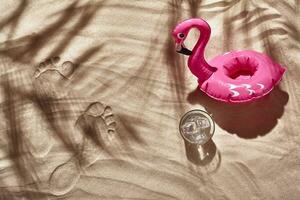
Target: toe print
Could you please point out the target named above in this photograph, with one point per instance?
(108, 119)
(103, 116)
(52, 76)
(97, 124)
(47, 65)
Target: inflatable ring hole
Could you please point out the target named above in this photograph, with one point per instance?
(241, 67)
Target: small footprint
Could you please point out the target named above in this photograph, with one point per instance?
(65, 69)
(52, 76)
(97, 125)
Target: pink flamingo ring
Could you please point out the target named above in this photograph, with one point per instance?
(235, 77)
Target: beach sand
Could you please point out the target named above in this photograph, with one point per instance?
(92, 93)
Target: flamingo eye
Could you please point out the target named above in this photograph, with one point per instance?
(180, 35)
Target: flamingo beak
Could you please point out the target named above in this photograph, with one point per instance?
(180, 48)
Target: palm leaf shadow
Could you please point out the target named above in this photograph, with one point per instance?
(218, 7)
(25, 49)
(129, 132)
(176, 69)
(288, 27)
(23, 162)
(13, 20)
(221, 4)
(258, 17)
(194, 7)
(87, 14)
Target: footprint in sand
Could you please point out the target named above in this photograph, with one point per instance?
(97, 126)
(52, 77)
(36, 130)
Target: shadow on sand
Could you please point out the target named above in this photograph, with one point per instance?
(206, 155)
(247, 120)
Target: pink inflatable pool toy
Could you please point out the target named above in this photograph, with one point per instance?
(238, 76)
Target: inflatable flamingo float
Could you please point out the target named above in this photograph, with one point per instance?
(236, 77)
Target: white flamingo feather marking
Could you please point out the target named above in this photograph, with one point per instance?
(261, 86)
(248, 88)
(231, 88)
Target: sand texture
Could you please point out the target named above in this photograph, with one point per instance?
(92, 93)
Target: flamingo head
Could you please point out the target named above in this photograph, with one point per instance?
(179, 34)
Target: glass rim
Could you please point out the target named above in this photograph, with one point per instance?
(207, 115)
